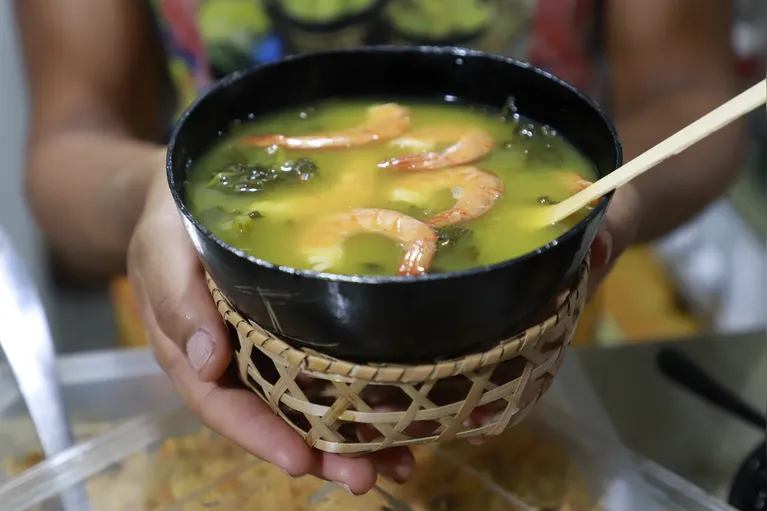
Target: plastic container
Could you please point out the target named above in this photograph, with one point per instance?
(100, 389)
(151, 463)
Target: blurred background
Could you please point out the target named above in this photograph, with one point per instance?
(707, 276)
(701, 285)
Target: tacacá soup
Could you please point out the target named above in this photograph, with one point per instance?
(405, 188)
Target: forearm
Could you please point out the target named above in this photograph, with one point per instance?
(679, 188)
(89, 205)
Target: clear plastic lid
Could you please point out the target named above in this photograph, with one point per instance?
(169, 462)
(18, 443)
(99, 390)
(552, 461)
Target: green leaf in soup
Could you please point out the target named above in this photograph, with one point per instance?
(302, 169)
(238, 179)
(244, 222)
(223, 181)
(267, 156)
(307, 113)
(509, 111)
(541, 145)
(232, 222)
(455, 248)
(545, 200)
(373, 269)
(407, 209)
(234, 155)
(449, 235)
(215, 216)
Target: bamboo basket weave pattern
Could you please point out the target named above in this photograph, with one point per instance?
(349, 408)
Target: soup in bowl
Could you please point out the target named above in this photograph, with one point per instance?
(377, 204)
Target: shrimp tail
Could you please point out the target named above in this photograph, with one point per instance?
(383, 123)
(471, 146)
(423, 161)
(449, 217)
(418, 241)
(406, 270)
(581, 184)
(418, 258)
(264, 140)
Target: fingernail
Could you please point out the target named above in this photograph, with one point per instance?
(476, 440)
(199, 349)
(348, 490)
(403, 471)
(397, 473)
(286, 473)
(608, 246)
(602, 256)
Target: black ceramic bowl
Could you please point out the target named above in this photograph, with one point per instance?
(366, 27)
(749, 488)
(393, 319)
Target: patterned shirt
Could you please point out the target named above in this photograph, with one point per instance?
(207, 39)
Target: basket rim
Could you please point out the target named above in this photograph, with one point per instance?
(327, 367)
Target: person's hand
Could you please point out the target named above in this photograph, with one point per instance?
(190, 342)
(616, 234)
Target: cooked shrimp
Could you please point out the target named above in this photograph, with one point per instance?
(324, 240)
(575, 183)
(384, 122)
(474, 190)
(472, 144)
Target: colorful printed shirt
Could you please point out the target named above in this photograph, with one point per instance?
(208, 39)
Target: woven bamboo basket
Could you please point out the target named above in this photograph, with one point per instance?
(349, 408)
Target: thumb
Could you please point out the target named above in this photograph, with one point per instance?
(601, 249)
(164, 264)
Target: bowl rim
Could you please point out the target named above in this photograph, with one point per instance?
(454, 51)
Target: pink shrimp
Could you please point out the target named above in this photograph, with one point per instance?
(575, 183)
(472, 144)
(323, 242)
(384, 122)
(474, 190)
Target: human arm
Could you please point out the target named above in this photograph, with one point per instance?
(97, 186)
(671, 62)
(91, 152)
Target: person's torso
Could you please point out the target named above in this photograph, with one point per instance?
(207, 39)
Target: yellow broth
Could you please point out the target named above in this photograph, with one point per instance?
(532, 160)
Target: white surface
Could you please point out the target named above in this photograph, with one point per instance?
(671, 426)
(14, 214)
(721, 267)
(78, 320)
(570, 409)
(100, 389)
